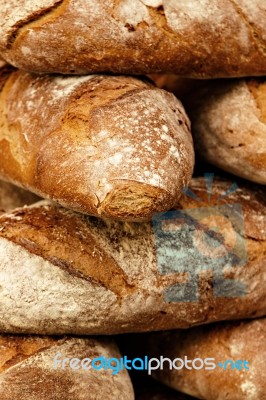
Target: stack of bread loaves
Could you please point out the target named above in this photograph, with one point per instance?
(109, 154)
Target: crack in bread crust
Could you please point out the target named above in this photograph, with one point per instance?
(42, 15)
(258, 39)
(16, 349)
(65, 242)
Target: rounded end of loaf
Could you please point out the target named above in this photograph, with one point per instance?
(257, 87)
(123, 149)
(135, 201)
(229, 126)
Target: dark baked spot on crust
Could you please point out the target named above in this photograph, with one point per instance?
(130, 27)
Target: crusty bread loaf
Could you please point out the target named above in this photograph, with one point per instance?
(244, 341)
(12, 197)
(62, 272)
(229, 126)
(197, 38)
(28, 370)
(108, 146)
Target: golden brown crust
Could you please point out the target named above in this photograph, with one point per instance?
(90, 276)
(228, 341)
(258, 90)
(229, 126)
(108, 146)
(64, 240)
(15, 349)
(136, 36)
(27, 370)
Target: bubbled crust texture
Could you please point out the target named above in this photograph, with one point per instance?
(192, 38)
(106, 146)
(27, 369)
(231, 341)
(66, 273)
(229, 126)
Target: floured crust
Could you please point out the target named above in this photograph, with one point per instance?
(135, 36)
(229, 126)
(107, 146)
(66, 273)
(228, 341)
(27, 369)
(12, 197)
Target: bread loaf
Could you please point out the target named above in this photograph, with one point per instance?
(209, 38)
(108, 146)
(28, 370)
(227, 343)
(62, 272)
(12, 197)
(229, 126)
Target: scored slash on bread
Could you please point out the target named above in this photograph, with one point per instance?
(66, 273)
(109, 146)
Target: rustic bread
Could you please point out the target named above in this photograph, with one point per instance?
(12, 197)
(229, 126)
(110, 146)
(234, 341)
(62, 272)
(214, 38)
(27, 370)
